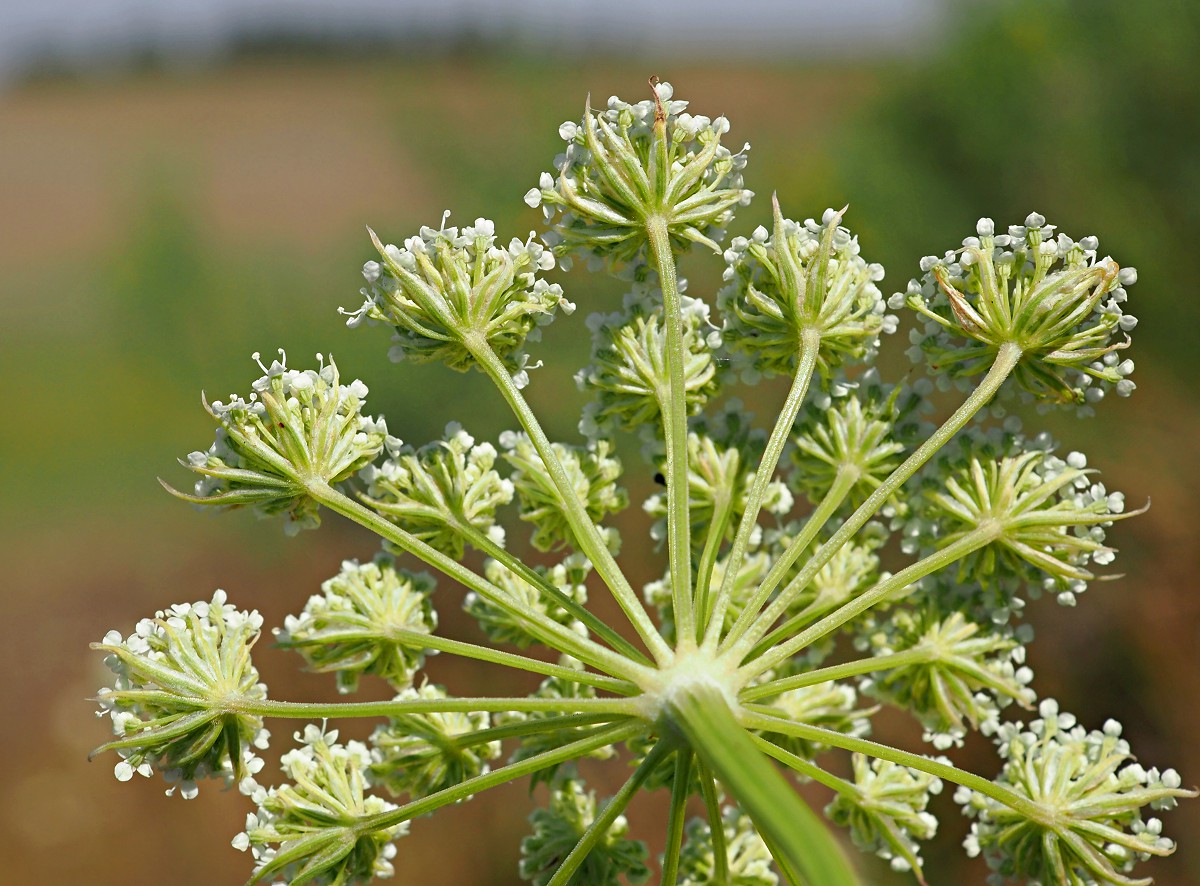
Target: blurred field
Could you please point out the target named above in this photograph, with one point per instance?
(155, 229)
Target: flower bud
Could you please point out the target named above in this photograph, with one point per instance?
(802, 277)
(558, 828)
(310, 830)
(501, 626)
(419, 754)
(296, 428)
(179, 678)
(887, 812)
(349, 629)
(445, 285)
(747, 858)
(1053, 297)
(438, 491)
(629, 162)
(1091, 794)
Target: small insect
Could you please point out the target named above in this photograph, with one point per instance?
(660, 479)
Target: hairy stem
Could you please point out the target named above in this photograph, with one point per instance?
(545, 629)
(869, 665)
(716, 825)
(586, 533)
(316, 710)
(744, 636)
(674, 415)
(810, 344)
(888, 588)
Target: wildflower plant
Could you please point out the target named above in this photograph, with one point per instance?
(855, 552)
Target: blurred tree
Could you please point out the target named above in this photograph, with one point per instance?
(1085, 110)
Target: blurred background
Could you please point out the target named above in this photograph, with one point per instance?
(183, 183)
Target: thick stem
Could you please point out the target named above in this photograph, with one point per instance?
(545, 629)
(740, 642)
(701, 712)
(810, 346)
(587, 534)
(601, 823)
(481, 542)
(674, 415)
(883, 590)
(754, 719)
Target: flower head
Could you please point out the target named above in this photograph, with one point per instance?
(827, 705)
(441, 491)
(629, 162)
(1089, 794)
(558, 828)
(964, 673)
(747, 858)
(296, 428)
(802, 277)
(886, 811)
(593, 471)
(311, 830)
(1053, 297)
(569, 577)
(629, 360)
(448, 284)
(418, 754)
(174, 705)
(362, 622)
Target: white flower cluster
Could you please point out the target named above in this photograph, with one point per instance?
(419, 754)
(441, 491)
(501, 626)
(631, 161)
(447, 283)
(629, 361)
(350, 628)
(175, 675)
(886, 813)
(1052, 296)
(802, 276)
(297, 427)
(306, 830)
(1090, 793)
(747, 859)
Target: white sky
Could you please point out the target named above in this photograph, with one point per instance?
(79, 31)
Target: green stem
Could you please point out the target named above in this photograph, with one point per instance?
(677, 817)
(716, 826)
(869, 665)
(883, 590)
(739, 643)
(843, 482)
(754, 719)
(545, 629)
(586, 533)
(481, 542)
(509, 730)
(790, 874)
(418, 640)
(701, 712)
(618, 733)
(810, 346)
(804, 767)
(679, 543)
(600, 825)
(618, 707)
(722, 512)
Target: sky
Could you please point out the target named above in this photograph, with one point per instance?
(83, 32)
